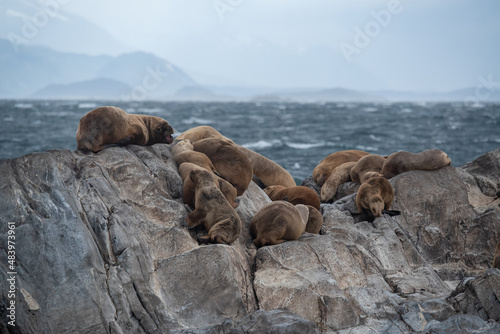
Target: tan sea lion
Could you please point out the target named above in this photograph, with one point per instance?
(340, 174)
(183, 152)
(400, 162)
(188, 188)
(200, 132)
(314, 221)
(212, 210)
(322, 171)
(496, 258)
(268, 171)
(277, 222)
(376, 194)
(295, 195)
(111, 125)
(231, 163)
(367, 167)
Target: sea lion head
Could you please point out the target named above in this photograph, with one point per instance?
(162, 132)
(376, 206)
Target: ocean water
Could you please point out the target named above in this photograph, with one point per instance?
(295, 135)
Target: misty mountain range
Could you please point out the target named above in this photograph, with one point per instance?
(38, 72)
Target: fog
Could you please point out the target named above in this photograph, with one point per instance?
(364, 44)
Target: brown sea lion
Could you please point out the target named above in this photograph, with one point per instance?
(322, 171)
(231, 163)
(268, 171)
(183, 152)
(295, 195)
(400, 162)
(376, 194)
(212, 210)
(188, 189)
(277, 222)
(367, 167)
(200, 132)
(496, 258)
(314, 221)
(111, 125)
(340, 174)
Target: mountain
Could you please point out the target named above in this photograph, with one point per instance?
(100, 88)
(47, 23)
(29, 70)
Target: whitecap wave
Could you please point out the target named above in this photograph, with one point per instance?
(304, 146)
(367, 148)
(23, 105)
(151, 110)
(263, 144)
(196, 120)
(87, 105)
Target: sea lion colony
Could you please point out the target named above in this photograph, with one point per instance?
(215, 171)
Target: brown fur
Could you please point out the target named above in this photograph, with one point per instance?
(200, 132)
(180, 146)
(322, 171)
(295, 195)
(112, 125)
(232, 164)
(268, 171)
(188, 189)
(341, 174)
(212, 210)
(314, 221)
(376, 194)
(496, 258)
(277, 222)
(183, 152)
(403, 161)
(367, 167)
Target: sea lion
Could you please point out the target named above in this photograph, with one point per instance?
(231, 163)
(367, 167)
(496, 258)
(322, 171)
(340, 174)
(212, 210)
(111, 125)
(277, 222)
(268, 171)
(376, 194)
(295, 195)
(400, 162)
(188, 188)
(183, 152)
(314, 221)
(200, 132)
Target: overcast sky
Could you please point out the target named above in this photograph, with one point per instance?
(362, 44)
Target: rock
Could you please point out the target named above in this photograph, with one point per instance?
(479, 296)
(279, 321)
(102, 247)
(463, 324)
(486, 172)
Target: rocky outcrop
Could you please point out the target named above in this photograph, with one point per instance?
(102, 247)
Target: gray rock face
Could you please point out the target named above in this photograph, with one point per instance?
(102, 247)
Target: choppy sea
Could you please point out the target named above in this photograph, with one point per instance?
(295, 135)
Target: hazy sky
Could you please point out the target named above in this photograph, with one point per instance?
(363, 44)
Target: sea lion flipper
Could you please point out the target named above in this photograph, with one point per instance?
(392, 212)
